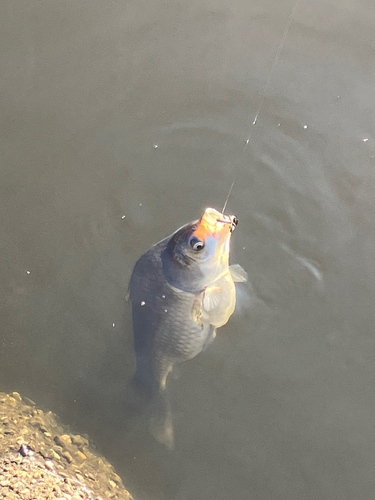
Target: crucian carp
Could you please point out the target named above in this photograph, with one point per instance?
(181, 290)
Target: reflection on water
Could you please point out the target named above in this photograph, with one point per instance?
(281, 404)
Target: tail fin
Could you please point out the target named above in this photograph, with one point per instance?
(161, 424)
(152, 402)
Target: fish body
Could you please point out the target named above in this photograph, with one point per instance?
(182, 289)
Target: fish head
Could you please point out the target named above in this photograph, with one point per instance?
(198, 253)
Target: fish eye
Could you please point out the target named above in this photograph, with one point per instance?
(196, 244)
(235, 221)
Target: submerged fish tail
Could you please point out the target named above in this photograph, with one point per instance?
(161, 425)
(147, 395)
(160, 414)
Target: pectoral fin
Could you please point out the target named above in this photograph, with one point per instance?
(239, 275)
(219, 300)
(212, 297)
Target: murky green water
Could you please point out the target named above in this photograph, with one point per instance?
(142, 110)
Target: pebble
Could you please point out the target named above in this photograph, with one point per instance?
(28, 401)
(81, 456)
(116, 478)
(54, 454)
(17, 396)
(79, 440)
(24, 450)
(68, 457)
(63, 440)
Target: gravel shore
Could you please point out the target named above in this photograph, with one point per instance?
(40, 460)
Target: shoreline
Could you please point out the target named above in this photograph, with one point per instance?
(40, 459)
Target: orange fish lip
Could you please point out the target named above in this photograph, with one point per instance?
(214, 223)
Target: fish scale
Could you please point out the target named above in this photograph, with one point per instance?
(170, 324)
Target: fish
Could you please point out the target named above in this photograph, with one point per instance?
(181, 290)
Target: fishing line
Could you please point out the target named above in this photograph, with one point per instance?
(265, 89)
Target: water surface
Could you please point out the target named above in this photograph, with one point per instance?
(120, 122)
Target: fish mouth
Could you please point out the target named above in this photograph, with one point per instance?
(233, 222)
(215, 224)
